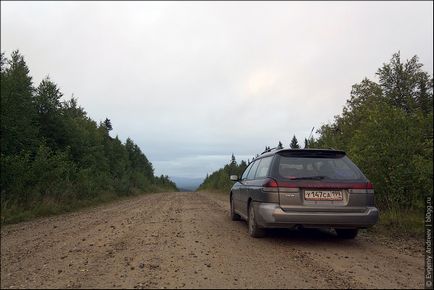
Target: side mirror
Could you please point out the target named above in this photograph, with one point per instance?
(234, 177)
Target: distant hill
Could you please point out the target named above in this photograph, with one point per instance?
(186, 183)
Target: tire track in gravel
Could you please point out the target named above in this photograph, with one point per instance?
(56, 251)
(124, 256)
(364, 262)
(187, 240)
(287, 267)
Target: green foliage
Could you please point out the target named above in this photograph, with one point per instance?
(294, 143)
(18, 114)
(107, 124)
(49, 114)
(55, 158)
(164, 183)
(387, 129)
(219, 180)
(400, 223)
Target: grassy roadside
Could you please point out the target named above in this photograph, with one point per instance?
(14, 214)
(392, 223)
(400, 224)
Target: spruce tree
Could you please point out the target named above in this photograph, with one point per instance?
(108, 124)
(294, 143)
(18, 115)
(233, 161)
(48, 107)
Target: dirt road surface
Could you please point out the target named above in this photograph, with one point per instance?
(187, 240)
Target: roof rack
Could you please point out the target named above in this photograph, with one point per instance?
(270, 149)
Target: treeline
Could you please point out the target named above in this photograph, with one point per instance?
(386, 128)
(54, 157)
(219, 180)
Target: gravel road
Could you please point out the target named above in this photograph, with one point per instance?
(187, 240)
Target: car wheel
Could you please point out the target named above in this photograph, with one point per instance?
(234, 216)
(347, 233)
(254, 230)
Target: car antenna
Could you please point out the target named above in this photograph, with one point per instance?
(311, 133)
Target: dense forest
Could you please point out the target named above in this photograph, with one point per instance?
(386, 128)
(54, 157)
(219, 180)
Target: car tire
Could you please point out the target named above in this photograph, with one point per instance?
(234, 216)
(254, 230)
(347, 233)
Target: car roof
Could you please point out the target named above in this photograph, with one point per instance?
(301, 152)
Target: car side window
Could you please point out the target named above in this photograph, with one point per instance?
(246, 171)
(252, 171)
(263, 167)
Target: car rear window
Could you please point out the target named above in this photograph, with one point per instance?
(335, 168)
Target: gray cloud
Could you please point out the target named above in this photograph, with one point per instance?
(193, 82)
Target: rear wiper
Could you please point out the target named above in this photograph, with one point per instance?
(317, 177)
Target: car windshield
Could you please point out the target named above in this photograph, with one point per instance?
(318, 168)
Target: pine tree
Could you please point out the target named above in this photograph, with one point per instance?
(18, 115)
(52, 151)
(279, 146)
(294, 143)
(108, 124)
(233, 165)
(72, 109)
(47, 98)
(48, 107)
(233, 161)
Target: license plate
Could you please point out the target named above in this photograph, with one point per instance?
(323, 195)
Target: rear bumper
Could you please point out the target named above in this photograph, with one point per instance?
(271, 215)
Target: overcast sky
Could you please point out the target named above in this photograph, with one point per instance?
(193, 82)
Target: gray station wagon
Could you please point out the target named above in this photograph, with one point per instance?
(303, 187)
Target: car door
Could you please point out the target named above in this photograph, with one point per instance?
(262, 172)
(239, 188)
(248, 183)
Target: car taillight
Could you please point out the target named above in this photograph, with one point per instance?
(270, 185)
(270, 182)
(288, 184)
(369, 185)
